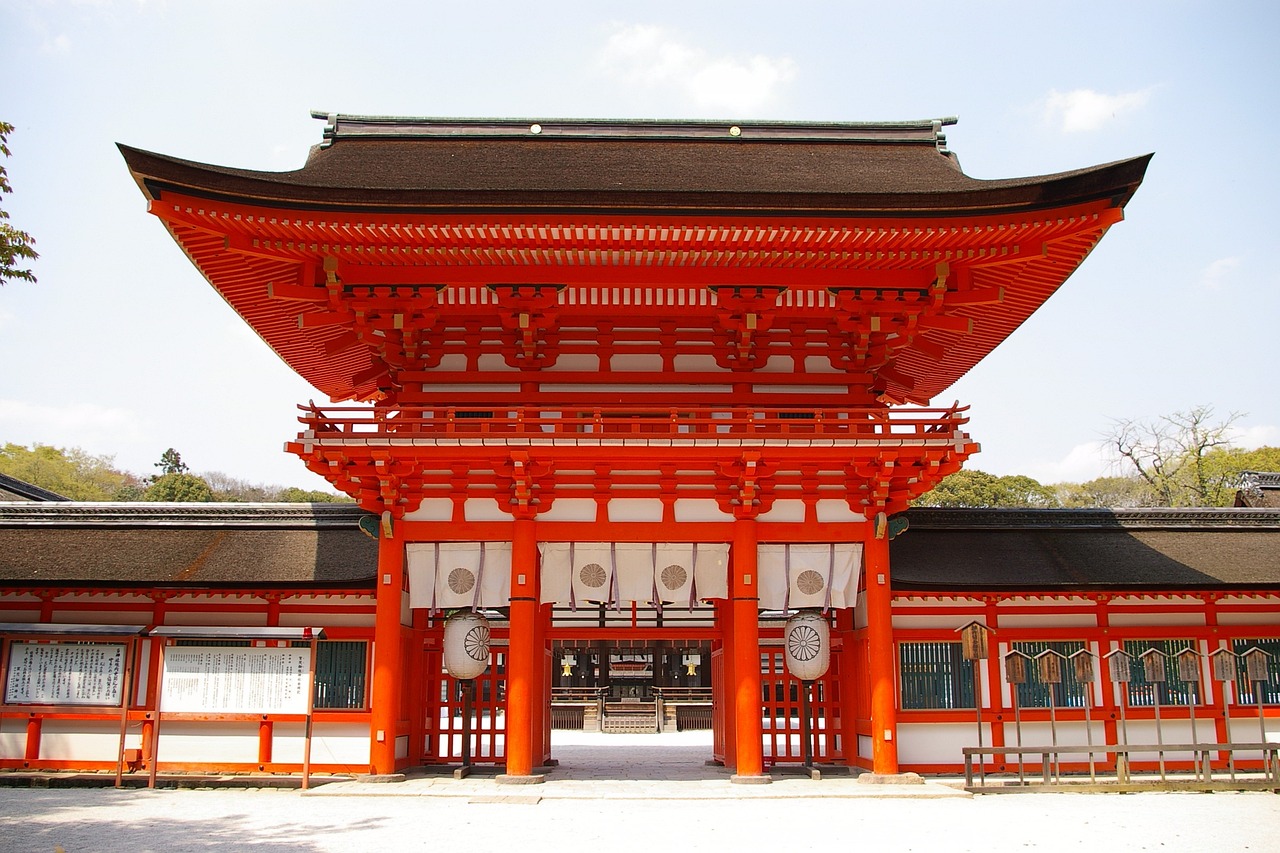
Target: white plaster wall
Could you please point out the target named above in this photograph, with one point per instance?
(1156, 618)
(79, 740)
(211, 742)
(101, 617)
(13, 738)
(700, 510)
(352, 620)
(635, 509)
(778, 364)
(575, 362)
(570, 509)
(937, 743)
(785, 511)
(623, 362)
(492, 362)
(1245, 730)
(1048, 620)
(1269, 618)
(331, 743)
(485, 509)
(1071, 733)
(187, 617)
(698, 364)
(818, 364)
(432, 509)
(1172, 731)
(901, 621)
(834, 511)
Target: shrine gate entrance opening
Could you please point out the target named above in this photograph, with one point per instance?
(636, 670)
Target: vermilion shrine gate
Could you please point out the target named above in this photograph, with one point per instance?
(632, 382)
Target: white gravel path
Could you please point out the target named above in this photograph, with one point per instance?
(110, 821)
(202, 821)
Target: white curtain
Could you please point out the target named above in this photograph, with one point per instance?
(588, 573)
(455, 575)
(809, 575)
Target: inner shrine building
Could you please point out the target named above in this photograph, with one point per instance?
(635, 390)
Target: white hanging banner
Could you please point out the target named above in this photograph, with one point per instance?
(673, 572)
(634, 561)
(845, 575)
(495, 581)
(557, 572)
(588, 573)
(456, 575)
(591, 572)
(711, 570)
(809, 575)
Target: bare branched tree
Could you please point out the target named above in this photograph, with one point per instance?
(1169, 454)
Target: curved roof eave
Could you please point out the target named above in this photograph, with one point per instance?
(892, 196)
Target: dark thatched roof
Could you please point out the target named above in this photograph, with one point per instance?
(247, 545)
(424, 163)
(320, 545)
(1064, 550)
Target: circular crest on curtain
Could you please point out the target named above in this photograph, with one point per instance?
(466, 645)
(807, 639)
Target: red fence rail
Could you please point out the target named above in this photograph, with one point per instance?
(627, 421)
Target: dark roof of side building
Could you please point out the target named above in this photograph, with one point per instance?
(11, 488)
(373, 162)
(967, 550)
(944, 550)
(1259, 489)
(155, 544)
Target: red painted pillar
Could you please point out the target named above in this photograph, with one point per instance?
(728, 715)
(266, 732)
(745, 592)
(524, 658)
(388, 658)
(880, 654)
(34, 726)
(849, 673)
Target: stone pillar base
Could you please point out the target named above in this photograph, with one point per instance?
(890, 779)
(380, 777)
(531, 779)
(753, 779)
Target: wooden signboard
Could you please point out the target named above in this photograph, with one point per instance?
(235, 680)
(65, 674)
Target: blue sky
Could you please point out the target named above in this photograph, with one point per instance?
(121, 348)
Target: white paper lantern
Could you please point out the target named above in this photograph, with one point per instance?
(466, 645)
(807, 639)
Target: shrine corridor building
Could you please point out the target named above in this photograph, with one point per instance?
(636, 391)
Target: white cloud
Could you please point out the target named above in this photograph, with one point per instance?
(1082, 110)
(1083, 463)
(655, 58)
(1217, 274)
(84, 425)
(1253, 437)
(61, 43)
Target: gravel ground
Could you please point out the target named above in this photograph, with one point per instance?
(110, 821)
(34, 820)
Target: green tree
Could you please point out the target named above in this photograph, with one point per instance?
(293, 494)
(1109, 492)
(171, 463)
(15, 246)
(179, 488)
(71, 473)
(971, 488)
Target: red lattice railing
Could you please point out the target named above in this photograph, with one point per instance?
(353, 422)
